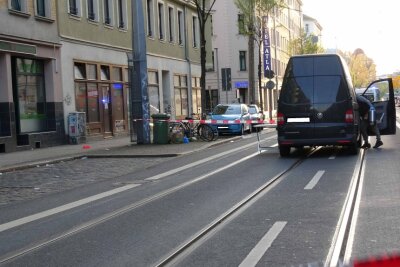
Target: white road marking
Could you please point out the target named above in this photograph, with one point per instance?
(333, 156)
(314, 180)
(398, 125)
(263, 245)
(43, 214)
(194, 164)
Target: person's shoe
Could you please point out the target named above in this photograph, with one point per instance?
(366, 145)
(378, 144)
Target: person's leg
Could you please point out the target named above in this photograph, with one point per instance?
(364, 134)
(378, 136)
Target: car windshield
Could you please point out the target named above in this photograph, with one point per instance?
(252, 110)
(226, 110)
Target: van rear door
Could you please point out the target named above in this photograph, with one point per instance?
(332, 99)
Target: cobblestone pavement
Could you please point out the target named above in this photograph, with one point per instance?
(35, 182)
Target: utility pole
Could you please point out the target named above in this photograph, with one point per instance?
(139, 99)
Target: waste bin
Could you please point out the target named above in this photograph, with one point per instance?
(160, 128)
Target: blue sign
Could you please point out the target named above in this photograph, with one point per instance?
(267, 46)
(242, 84)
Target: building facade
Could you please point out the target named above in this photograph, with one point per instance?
(312, 27)
(230, 51)
(31, 109)
(96, 40)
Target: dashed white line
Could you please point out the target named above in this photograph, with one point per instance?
(333, 156)
(40, 215)
(263, 245)
(314, 180)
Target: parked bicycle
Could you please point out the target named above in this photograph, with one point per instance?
(192, 130)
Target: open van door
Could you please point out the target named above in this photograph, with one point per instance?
(384, 106)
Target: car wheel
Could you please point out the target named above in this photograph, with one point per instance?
(284, 151)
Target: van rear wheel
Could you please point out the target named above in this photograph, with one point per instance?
(284, 151)
(354, 148)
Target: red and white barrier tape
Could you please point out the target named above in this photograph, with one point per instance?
(216, 121)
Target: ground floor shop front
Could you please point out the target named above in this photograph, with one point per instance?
(31, 109)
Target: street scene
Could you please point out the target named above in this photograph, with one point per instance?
(199, 133)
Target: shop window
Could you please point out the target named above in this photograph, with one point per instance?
(93, 103)
(79, 71)
(30, 95)
(126, 75)
(181, 96)
(153, 91)
(80, 97)
(196, 95)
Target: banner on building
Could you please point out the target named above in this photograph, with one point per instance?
(266, 47)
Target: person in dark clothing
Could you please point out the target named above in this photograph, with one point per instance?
(364, 105)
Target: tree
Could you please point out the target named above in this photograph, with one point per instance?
(253, 11)
(362, 69)
(305, 44)
(203, 8)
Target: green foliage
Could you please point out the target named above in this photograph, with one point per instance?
(305, 44)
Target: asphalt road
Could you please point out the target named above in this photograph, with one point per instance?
(142, 216)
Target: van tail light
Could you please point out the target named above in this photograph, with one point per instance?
(280, 119)
(349, 116)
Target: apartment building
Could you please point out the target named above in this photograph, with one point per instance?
(312, 27)
(230, 51)
(96, 40)
(31, 99)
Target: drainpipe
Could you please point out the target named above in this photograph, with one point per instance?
(187, 58)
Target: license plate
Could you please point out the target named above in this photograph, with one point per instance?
(298, 120)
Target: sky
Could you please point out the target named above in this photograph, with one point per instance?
(373, 26)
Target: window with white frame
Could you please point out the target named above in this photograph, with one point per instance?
(108, 12)
(18, 5)
(92, 10)
(171, 23)
(242, 61)
(150, 18)
(161, 21)
(181, 25)
(74, 7)
(43, 8)
(195, 31)
(122, 16)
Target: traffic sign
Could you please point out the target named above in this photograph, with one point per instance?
(270, 84)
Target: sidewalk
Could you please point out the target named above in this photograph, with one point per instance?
(113, 148)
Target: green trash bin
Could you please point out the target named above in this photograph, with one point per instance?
(160, 128)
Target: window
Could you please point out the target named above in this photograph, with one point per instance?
(104, 73)
(108, 12)
(150, 18)
(18, 5)
(92, 9)
(171, 24)
(196, 95)
(122, 21)
(195, 30)
(74, 7)
(212, 25)
(31, 98)
(242, 61)
(154, 94)
(181, 96)
(91, 72)
(79, 71)
(180, 27)
(117, 74)
(213, 60)
(241, 24)
(42, 8)
(161, 21)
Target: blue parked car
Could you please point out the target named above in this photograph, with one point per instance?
(231, 119)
